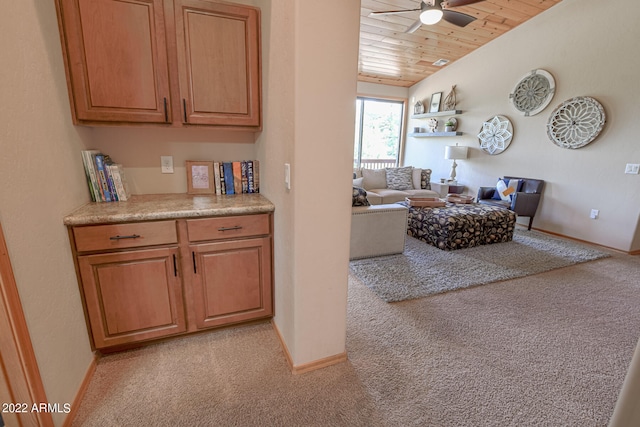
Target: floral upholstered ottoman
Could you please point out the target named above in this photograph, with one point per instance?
(461, 226)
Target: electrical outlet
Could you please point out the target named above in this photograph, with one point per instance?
(166, 163)
(594, 213)
(632, 168)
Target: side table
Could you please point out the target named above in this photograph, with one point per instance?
(444, 189)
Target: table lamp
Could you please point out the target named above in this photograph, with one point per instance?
(454, 152)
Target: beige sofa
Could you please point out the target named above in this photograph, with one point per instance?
(376, 183)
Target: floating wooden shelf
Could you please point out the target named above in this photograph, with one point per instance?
(438, 114)
(434, 134)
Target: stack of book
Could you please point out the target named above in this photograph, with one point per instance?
(236, 177)
(105, 178)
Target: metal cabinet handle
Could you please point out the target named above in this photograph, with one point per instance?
(237, 227)
(184, 109)
(166, 112)
(131, 236)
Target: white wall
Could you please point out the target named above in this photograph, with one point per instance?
(42, 180)
(589, 51)
(310, 107)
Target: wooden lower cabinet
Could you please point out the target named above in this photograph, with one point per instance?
(149, 280)
(132, 296)
(232, 281)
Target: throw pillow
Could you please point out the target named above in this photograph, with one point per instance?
(359, 197)
(400, 178)
(416, 178)
(505, 189)
(374, 178)
(357, 182)
(425, 179)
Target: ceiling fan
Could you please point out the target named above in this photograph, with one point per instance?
(432, 11)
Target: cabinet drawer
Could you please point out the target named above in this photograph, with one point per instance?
(120, 236)
(227, 227)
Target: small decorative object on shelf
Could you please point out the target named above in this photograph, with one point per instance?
(432, 124)
(495, 135)
(451, 124)
(576, 122)
(418, 108)
(435, 102)
(450, 100)
(533, 92)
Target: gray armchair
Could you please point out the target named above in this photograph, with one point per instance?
(524, 202)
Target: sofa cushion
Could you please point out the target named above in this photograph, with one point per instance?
(359, 197)
(374, 198)
(417, 178)
(421, 193)
(425, 179)
(400, 178)
(374, 178)
(357, 182)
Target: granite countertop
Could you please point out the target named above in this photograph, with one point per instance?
(150, 207)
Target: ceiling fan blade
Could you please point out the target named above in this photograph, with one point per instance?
(413, 27)
(457, 18)
(456, 3)
(392, 12)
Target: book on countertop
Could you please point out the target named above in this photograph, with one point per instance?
(237, 177)
(90, 172)
(117, 174)
(245, 180)
(250, 177)
(102, 177)
(256, 176)
(216, 178)
(228, 177)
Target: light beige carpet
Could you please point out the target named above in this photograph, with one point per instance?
(545, 350)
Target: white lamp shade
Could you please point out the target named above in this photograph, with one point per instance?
(455, 152)
(431, 16)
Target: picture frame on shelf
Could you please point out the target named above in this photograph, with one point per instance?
(434, 106)
(200, 179)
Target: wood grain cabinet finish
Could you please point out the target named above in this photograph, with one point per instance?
(143, 281)
(232, 277)
(172, 62)
(132, 296)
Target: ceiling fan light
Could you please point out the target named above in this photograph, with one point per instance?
(430, 16)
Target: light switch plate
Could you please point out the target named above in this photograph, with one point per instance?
(287, 176)
(166, 163)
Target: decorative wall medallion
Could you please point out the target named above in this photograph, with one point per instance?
(533, 92)
(495, 135)
(576, 122)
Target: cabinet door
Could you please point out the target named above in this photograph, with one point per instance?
(218, 48)
(116, 60)
(132, 296)
(232, 281)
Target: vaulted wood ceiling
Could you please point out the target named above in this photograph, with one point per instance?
(390, 56)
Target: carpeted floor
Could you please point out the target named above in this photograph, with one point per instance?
(549, 349)
(425, 270)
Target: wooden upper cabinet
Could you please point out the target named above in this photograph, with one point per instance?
(117, 66)
(218, 57)
(176, 62)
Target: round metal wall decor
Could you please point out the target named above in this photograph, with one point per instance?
(495, 135)
(576, 122)
(533, 92)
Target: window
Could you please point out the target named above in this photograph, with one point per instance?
(378, 133)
